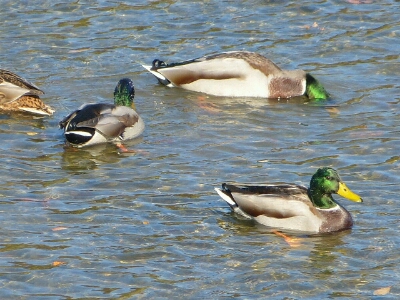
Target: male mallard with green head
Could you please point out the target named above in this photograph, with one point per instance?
(294, 207)
(238, 74)
(17, 94)
(102, 122)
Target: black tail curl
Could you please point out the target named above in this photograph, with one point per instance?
(158, 64)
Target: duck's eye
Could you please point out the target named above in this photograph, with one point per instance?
(328, 178)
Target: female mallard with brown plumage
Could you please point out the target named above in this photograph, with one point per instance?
(103, 122)
(237, 74)
(17, 94)
(294, 207)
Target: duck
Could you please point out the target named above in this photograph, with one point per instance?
(294, 207)
(18, 94)
(96, 123)
(237, 74)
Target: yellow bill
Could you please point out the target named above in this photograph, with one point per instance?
(345, 192)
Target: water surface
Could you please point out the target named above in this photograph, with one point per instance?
(97, 224)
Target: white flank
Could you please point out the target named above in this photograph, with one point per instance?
(96, 139)
(134, 131)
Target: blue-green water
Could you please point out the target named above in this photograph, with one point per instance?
(96, 224)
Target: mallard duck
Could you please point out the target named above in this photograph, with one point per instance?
(102, 122)
(237, 74)
(17, 94)
(292, 206)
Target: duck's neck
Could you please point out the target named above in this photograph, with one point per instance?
(122, 99)
(321, 199)
(314, 89)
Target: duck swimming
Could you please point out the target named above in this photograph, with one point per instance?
(237, 74)
(17, 94)
(103, 122)
(292, 206)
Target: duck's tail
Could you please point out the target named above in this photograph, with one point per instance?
(227, 196)
(161, 78)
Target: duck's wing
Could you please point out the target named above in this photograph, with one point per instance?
(273, 200)
(10, 92)
(284, 206)
(115, 123)
(13, 86)
(88, 115)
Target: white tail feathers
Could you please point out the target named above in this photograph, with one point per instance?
(159, 76)
(78, 132)
(226, 197)
(155, 73)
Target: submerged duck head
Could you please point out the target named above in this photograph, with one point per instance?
(314, 89)
(124, 93)
(325, 182)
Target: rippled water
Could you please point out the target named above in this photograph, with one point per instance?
(96, 224)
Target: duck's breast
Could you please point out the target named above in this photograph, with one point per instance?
(335, 219)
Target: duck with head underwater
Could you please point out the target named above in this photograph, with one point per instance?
(292, 206)
(238, 74)
(18, 94)
(102, 122)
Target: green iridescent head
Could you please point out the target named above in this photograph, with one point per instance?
(124, 93)
(324, 183)
(314, 89)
